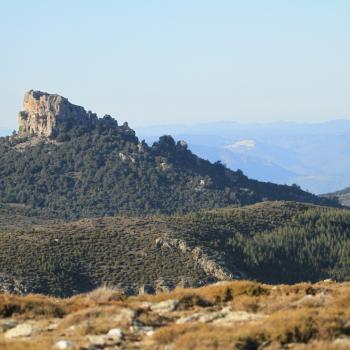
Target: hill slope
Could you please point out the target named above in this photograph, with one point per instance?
(68, 163)
(280, 242)
(342, 196)
(281, 152)
(240, 315)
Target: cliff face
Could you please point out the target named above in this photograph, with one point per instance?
(43, 113)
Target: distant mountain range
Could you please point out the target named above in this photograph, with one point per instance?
(313, 156)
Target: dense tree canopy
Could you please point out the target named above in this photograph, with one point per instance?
(102, 169)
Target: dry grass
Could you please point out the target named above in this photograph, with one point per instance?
(25, 345)
(299, 328)
(106, 294)
(308, 316)
(96, 320)
(31, 306)
(210, 295)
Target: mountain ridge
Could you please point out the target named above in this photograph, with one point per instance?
(69, 163)
(285, 153)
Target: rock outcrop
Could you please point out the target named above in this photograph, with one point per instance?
(209, 265)
(43, 114)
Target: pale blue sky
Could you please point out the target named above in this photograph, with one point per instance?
(151, 62)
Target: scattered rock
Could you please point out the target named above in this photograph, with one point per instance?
(122, 156)
(312, 300)
(183, 144)
(165, 306)
(52, 326)
(239, 316)
(113, 337)
(145, 305)
(328, 280)
(115, 334)
(98, 339)
(64, 344)
(220, 317)
(212, 267)
(5, 325)
(140, 327)
(125, 316)
(164, 166)
(21, 331)
(343, 342)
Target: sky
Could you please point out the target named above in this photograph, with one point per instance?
(180, 61)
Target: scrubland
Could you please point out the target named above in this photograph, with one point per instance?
(241, 315)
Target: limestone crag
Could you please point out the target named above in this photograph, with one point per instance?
(209, 264)
(43, 114)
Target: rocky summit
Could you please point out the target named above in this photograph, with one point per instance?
(69, 163)
(43, 113)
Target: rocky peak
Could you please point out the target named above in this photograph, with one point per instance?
(43, 113)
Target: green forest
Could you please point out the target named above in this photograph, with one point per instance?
(272, 242)
(277, 243)
(102, 169)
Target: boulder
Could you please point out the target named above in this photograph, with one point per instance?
(7, 324)
(113, 337)
(165, 306)
(141, 328)
(115, 334)
(124, 316)
(64, 344)
(23, 330)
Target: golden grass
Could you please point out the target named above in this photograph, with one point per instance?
(31, 306)
(95, 320)
(309, 316)
(106, 294)
(38, 345)
(211, 294)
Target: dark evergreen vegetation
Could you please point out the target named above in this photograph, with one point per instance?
(101, 169)
(276, 242)
(279, 242)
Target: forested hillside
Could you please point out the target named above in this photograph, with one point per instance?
(84, 202)
(282, 242)
(98, 168)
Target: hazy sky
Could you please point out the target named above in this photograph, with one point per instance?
(151, 62)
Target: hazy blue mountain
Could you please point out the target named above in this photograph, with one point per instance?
(314, 156)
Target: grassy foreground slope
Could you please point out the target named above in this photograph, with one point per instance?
(239, 315)
(272, 242)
